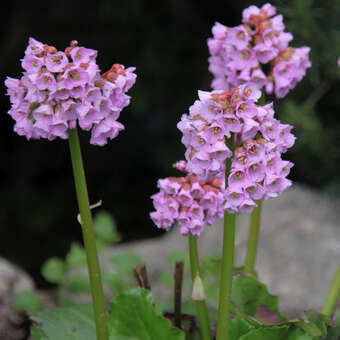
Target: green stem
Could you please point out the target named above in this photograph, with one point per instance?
(89, 237)
(227, 265)
(253, 239)
(223, 324)
(200, 305)
(333, 295)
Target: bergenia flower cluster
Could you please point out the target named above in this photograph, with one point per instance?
(257, 173)
(190, 202)
(239, 54)
(59, 90)
(217, 116)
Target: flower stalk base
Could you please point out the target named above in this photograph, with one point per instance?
(333, 295)
(223, 322)
(200, 304)
(253, 239)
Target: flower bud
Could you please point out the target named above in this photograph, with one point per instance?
(198, 289)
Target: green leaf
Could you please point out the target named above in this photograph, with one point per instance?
(210, 271)
(105, 227)
(316, 325)
(267, 333)
(53, 270)
(38, 334)
(79, 283)
(114, 281)
(299, 334)
(134, 317)
(337, 317)
(179, 256)
(124, 263)
(310, 328)
(239, 327)
(67, 323)
(167, 279)
(333, 333)
(211, 266)
(27, 301)
(101, 245)
(76, 257)
(248, 294)
(65, 301)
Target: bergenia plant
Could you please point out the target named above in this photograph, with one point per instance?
(231, 140)
(234, 160)
(232, 137)
(59, 91)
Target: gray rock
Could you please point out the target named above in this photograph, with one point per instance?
(13, 280)
(298, 255)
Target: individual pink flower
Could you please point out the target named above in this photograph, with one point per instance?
(82, 55)
(56, 62)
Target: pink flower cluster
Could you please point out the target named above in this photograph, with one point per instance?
(257, 173)
(239, 53)
(218, 115)
(59, 89)
(189, 202)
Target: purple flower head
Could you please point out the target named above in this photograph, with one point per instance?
(62, 89)
(220, 115)
(238, 54)
(189, 202)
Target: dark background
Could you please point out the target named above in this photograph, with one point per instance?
(166, 41)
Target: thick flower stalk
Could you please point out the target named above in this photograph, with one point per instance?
(190, 202)
(333, 296)
(60, 90)
(240, 54)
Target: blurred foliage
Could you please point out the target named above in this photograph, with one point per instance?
(27, 301)
(57, 271)
(166, 41)
(314, 106)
